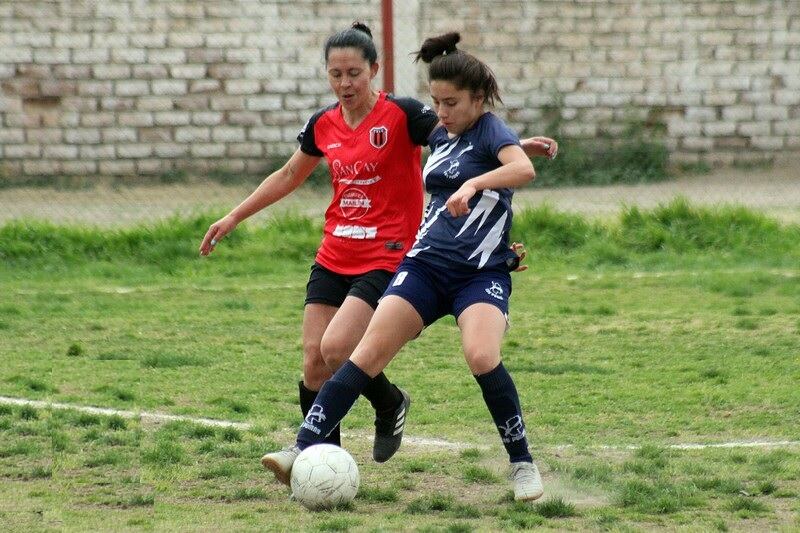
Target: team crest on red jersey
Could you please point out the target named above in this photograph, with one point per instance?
(378, 136)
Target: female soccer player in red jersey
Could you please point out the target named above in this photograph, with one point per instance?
(372, 143)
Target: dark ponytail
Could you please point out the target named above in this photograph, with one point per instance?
(357, 36)
(436, 46)
(465, 71)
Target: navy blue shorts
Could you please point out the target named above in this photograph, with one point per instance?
(436, 292)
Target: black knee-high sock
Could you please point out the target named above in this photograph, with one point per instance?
(502, 399)
(334, 400)
(383, 396)
(307, 397)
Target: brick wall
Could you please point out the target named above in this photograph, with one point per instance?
(124, 87)
(723, 76)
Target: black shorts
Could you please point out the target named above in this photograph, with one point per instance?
(330, 288)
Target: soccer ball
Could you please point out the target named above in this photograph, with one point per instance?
(324, 476)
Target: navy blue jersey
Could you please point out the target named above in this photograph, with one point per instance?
(480, 239)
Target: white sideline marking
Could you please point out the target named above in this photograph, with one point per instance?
(154, 417)
(163, 288)
(740, 444)
(422, 442)
(698, 446)
(675, 273)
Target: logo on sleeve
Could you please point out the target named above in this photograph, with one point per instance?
(378, 136)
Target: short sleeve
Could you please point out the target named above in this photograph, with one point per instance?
(308, 144)
(421, 119)
(498, 135)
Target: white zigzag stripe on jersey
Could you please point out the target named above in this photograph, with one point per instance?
(485, 206)
(437, 158)
(491, 241)
(465, 150)
(423, 230)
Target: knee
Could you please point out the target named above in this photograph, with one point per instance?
(481, 361)
(315, 371)
(335, 350)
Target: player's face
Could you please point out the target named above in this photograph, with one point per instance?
(457, 109)
(350, 76)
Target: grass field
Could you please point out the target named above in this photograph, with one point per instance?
(629, 339)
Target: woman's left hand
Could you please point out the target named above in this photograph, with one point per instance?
(540, 146)
(519, 249)
(458, 202)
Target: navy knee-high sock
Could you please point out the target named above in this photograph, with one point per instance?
(307, 397)
(502, 399)
(383, 396)
(334, 400)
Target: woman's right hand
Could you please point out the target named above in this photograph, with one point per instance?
(216, 232)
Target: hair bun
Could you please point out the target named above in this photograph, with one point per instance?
(360, 26)
(437, 46)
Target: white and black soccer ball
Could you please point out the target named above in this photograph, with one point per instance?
(324, 476)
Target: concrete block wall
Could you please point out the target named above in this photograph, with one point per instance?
(723, 76)
(125, 87)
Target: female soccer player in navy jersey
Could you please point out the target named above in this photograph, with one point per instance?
(457, 265)
(371, 141)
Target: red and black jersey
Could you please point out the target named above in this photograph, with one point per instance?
(377, 182)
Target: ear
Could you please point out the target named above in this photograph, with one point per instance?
(373, 69)
(478, 97)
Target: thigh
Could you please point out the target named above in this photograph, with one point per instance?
(316, 319)
(350, 321)
(348, 325)
(394, 324)
(482, 328)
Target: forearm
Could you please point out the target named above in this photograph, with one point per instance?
(274, 187)
(530, 147)
(510, 175)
